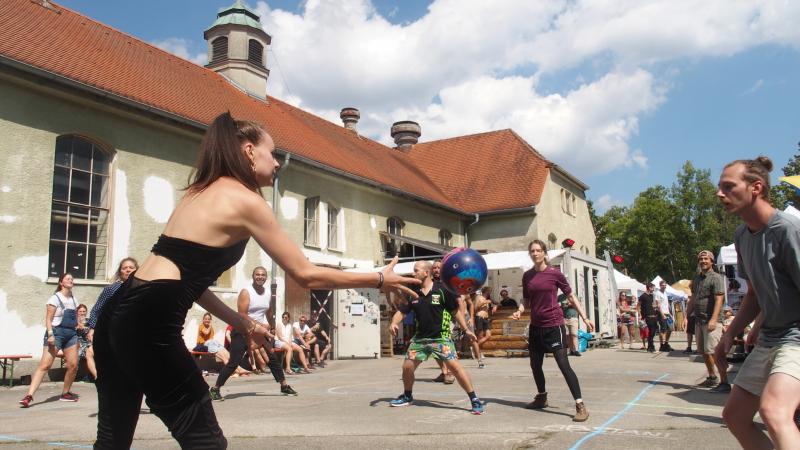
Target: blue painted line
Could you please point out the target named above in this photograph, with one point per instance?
(64, 444)
(618, 415)
(12, 438)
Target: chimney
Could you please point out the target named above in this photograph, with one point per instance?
(406, 133)
(350, 117)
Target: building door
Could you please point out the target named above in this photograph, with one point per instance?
(322, 302)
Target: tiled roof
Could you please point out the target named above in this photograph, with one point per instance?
(477, 173)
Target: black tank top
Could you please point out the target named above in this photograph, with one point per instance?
(200, 265)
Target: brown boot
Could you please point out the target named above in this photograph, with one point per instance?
(539, 402)
(581, 413)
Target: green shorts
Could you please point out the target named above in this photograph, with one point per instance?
(422, 349)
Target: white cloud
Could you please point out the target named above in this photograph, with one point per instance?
(752, 89)
(471, 66)
(604, 202)
(180, 47)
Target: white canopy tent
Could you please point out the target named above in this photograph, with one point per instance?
(672, 293)
(626, 283)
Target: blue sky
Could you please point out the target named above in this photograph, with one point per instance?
(619, 93)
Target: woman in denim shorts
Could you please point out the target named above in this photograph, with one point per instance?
(60, 321)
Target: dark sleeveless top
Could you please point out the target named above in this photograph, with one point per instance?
(200, 265)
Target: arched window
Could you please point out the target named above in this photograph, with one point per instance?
(551, 240)
(445, 237)
(81, 204)
(255, 52)
(395, 225)
(219, 49)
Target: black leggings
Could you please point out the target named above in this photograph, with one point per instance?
(238, 353)
(141, 353)
(537, 360)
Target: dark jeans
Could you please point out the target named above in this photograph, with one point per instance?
(652, 327)
(238, 353)
(140, 353)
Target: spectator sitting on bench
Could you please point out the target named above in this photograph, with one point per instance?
(284, 333)
(60, 321)
(505, 300)
(320, 344)
(206, 342)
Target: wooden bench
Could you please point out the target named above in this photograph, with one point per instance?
(8, 362)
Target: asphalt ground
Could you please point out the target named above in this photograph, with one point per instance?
(635, 399)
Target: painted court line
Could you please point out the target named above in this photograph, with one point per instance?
(619, 415)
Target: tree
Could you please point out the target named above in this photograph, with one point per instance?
(784, 194)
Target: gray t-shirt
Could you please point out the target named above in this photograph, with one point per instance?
(706, 287)
(769, 259)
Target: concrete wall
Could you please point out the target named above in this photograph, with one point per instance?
(504, 233)
(551, 217)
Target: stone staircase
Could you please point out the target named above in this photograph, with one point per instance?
(508, 335)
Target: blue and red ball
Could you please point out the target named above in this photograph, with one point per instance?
(463, 270)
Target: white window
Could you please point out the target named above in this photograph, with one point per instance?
(395, 225)
(333, 227)
(311, 220)
(80, 210)
(445, 237)
(568, 202)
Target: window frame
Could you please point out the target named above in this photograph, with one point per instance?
(217, 57)
(315, 233)
(334, 228)
(96, 212)
(250, 53)
(445, 237)
(401, 225)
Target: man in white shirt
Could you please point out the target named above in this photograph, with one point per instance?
(664, 317)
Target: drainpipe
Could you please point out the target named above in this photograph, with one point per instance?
(273, 283)
(466, 231)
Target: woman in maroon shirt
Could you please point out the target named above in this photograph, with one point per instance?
(547, 333)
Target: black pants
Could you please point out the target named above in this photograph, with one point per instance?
(553, 340)
(238, 353)
(139, 352)
(652, 328)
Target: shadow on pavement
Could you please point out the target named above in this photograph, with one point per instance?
(701, 417)
(692, 394)
(250, 394)
(418, 402)
(521, 405)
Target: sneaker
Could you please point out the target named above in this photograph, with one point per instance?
(651, 349)
(26, 401)
(575, 353)
(477, 407)
(709, 382)
(287, 390)
(481, 365)
(668, 348)
(581, 413)
(661, 348)
(449, 379)
(402, 400)
(69, 397)
(722, 387)
(688, 350)
(539, 402)
(214, 394)
(439, 379)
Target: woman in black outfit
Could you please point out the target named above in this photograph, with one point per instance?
(206, 234)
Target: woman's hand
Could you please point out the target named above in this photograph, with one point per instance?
(397, 283)
(589, 324)
(51, 340)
